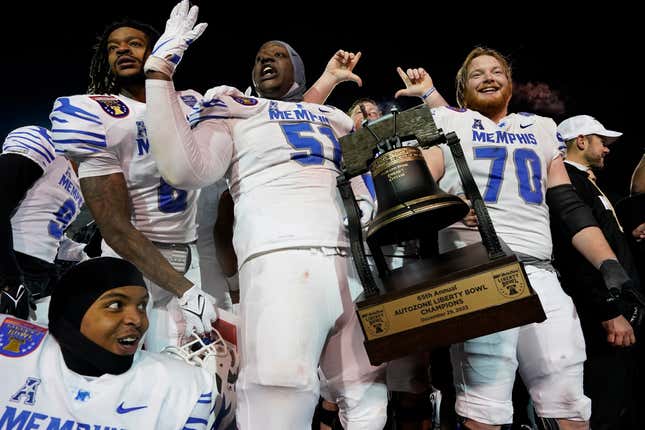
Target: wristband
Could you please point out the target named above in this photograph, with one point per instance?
(428, 92)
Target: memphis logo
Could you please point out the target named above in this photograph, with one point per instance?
(112, 106)
(18, 338)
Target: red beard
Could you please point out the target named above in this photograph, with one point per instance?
(489, 106)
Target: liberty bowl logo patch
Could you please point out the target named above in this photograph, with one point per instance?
(112, 106)
(19, 338)
(246, 101)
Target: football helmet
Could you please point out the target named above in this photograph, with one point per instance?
(220, 358)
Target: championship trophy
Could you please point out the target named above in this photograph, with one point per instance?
(438, 299)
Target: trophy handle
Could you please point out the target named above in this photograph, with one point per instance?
(484, 223)
(356, 235)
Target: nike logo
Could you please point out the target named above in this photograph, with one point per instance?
(123, 410)
(525, 125)
(201, 302)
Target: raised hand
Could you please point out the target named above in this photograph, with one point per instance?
(417, 82)
(340, 68)
(180, 32)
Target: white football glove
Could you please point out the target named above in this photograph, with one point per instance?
(198, 309)
(180, 32)
(367, 211)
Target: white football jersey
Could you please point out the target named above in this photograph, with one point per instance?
(39, 391)
(283, 170)
(52, 203)
(509, 162)
(106, 134)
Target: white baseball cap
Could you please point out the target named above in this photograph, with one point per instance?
(584, 125)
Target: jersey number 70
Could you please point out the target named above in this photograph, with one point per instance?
(527, 169)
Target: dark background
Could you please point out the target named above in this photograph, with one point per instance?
(589, 62)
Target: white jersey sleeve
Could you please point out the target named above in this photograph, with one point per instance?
(186, 158)
(509, 162)
(32, 142)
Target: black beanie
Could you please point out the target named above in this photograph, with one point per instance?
(81, 285)
(72, 296)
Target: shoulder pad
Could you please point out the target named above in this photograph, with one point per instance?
(223, 107)
(33, 142)
(77, 122)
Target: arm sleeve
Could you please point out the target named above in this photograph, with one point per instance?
(187, 158)
(17, 175)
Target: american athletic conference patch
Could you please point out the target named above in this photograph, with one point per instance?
(246, 101)
(112, 106)
(19, 338)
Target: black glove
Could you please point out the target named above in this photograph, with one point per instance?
(616, 279)
(632, 306)
(16, 300)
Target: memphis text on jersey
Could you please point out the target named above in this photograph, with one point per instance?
(15, 419)
(500, 136)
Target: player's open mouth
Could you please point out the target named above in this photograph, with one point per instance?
(128, 344)
(489, 90)
(267, 73)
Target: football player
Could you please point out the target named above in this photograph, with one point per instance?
(281, 157)
(41, 198)
(515, 161)
(141, 216)
(87, 370)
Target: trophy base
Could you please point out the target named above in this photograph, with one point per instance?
(455, 296)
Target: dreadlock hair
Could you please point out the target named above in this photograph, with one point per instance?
(102, 81)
